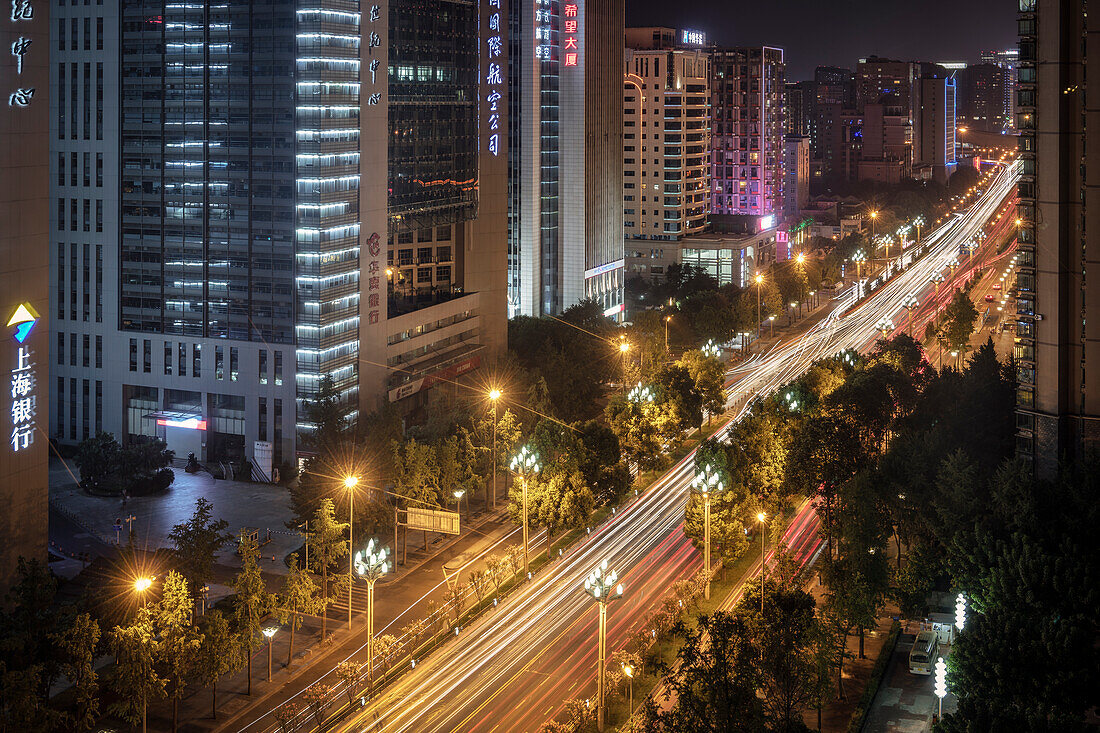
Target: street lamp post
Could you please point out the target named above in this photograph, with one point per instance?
(667, 319)
(707, 481)
(524, 464)
(371, 566)
(269, 632)
(629, 672)
(762, 517)
(603, 585)
(494, 395)
(350, 482)
(771, 326)
(759, 280)
(458, 494)
(885, 325)
(624, 349)
(910, 304)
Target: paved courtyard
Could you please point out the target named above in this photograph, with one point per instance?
(242, 504)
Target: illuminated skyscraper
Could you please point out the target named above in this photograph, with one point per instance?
(24, 283)
(256, 180)
(565, 206)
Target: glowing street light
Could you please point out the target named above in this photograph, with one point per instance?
(624, 349)
(603, 585)
(910, 304)
(859, 258)
(371, 565)
(759, 280)
(640, 394)
(141, 585)
(885, 325)
(940, 687)
(494, 396)
(707, 481)
(629, 672)
(350, 482)
(525, 463)
(960, 611)
(711, 349)
(668, 319)
(269, 632)
(458, 494)
(762, 518)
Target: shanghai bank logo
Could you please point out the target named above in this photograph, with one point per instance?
(23, 319)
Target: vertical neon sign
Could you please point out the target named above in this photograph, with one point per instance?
(24, 401)
(494, 77)
(570, 33)
(543, 36)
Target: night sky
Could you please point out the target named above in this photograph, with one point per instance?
(822, 33)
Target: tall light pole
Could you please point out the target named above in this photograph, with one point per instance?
(859, 258)
(494, 395)
(885, 325)
(910, 304)
(707, 481)
(918, 223)
(603, 585)
(759, 280)
(350, 482)
(269, 632)
(524, 464)
(874, 216)
(371, 565)
(800, 260)
(629, 672)
(667, 319)
(762, 517)
(458, 494)
(624, 349)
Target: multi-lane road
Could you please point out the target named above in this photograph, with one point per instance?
(516, 666)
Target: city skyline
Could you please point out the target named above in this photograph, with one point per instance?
(667, 368)
(824, 34)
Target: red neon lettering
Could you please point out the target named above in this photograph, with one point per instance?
(571, 43)
(570, 59)
(570, 11)
(570, 26)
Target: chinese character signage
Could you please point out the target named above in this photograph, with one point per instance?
(569, 34)
(23, 384)
(544, 30)
(494, 78)
(18, 91)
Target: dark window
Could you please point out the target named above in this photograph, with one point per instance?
(133, 355)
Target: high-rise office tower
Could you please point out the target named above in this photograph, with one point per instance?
(1008, 60)
(565, 207)
(255, 178)
(798, 104)
(983, 102)
(934, 144)
(24, 282)
(1058, 323)
(885, 97)
(834, 99)
(666, 142)
(748, 130)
